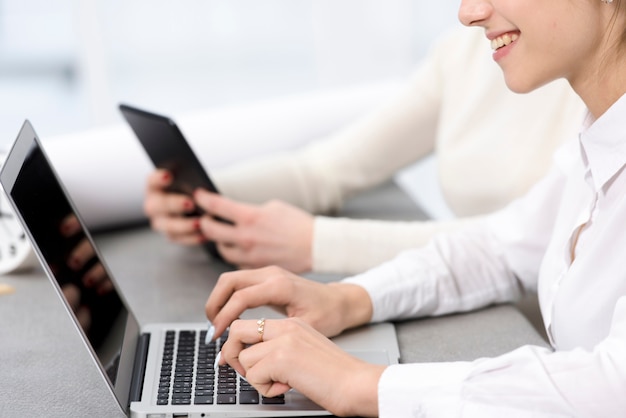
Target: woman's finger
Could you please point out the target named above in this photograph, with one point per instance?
(159, 179)
(163, 203)
(184, 230)
(221, 232)
(242, 334)
(251, 290)
(223, 207)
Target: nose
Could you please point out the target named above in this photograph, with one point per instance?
(473, 12)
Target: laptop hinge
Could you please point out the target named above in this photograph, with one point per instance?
(139, 371)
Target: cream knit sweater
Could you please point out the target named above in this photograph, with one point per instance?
(491, 146)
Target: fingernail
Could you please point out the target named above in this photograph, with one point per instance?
(75, 263)
(66, 229)
(217, 361)
(209, 334)
(88, 281)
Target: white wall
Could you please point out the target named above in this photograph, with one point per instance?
(65, 64)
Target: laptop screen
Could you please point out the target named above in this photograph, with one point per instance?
(68, 254)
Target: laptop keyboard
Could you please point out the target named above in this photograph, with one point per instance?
(188, 375)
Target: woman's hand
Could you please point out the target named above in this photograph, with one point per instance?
(169, 212)
(274, 233)
(329, 308)
(291, 354)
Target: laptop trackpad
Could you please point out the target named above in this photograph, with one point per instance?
(371, 356)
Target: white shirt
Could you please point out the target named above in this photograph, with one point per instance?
(527, 245)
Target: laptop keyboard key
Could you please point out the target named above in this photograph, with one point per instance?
(203, 400)
(226, 399)
(276, 400)
(249, 397)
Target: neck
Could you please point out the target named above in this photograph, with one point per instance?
(603, 82)
(601, 90)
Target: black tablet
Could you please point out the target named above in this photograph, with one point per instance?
(168, 149)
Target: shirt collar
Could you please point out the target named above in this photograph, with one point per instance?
(604, 143)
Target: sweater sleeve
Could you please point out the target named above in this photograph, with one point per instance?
(352, 246)
(320, 176)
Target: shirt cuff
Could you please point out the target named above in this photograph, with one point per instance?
(422, 389)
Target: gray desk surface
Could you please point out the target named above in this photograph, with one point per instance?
(45, 372)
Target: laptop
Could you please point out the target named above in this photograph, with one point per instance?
(155, 370)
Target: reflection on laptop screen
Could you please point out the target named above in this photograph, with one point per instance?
(71, 258)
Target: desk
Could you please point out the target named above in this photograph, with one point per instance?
(44, 371)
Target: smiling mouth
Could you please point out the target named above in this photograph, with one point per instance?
(503, 40)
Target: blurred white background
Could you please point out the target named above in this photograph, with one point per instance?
(66, 64)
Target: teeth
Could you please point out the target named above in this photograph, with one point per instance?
(503, 40)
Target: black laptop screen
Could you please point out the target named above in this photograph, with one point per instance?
(71, 257)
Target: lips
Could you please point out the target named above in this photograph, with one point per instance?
(503, 40)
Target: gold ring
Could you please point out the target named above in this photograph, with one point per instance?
(261, 327)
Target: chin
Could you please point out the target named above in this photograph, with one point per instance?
(523, 85)
(516, 86)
